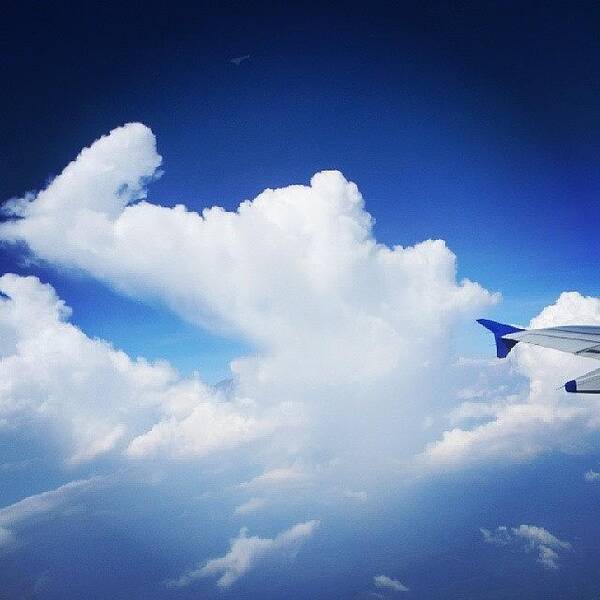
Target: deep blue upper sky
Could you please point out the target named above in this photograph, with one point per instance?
(477, 123)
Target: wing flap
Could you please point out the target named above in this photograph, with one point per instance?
(586, 384)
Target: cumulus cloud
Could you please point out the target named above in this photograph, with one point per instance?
(39, 505)
(295, 255)
(531, 539)
(533, 416)
(387, 583)
(95, 398)
(347, 330)
(246, 552)
(591, 476)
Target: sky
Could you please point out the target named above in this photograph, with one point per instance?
(238, 348)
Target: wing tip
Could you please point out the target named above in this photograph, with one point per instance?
(503, 346)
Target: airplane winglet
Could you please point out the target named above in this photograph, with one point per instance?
(503, 346)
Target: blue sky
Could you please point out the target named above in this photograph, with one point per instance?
(359, 377)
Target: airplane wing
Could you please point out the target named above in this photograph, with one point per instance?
(583, 340)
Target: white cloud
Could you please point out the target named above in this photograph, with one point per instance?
(347, 331)
(539, 536)
(591, 476)
(245, 552)
(97, 399)
(250, 506)
(387, 583)
(297, 255)
(535, 539)
(38, 505)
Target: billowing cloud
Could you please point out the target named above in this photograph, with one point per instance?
(246, 552)
(387, 583)
(39, 505)
(350, 335)
(591, 476)
(298, 255)
(532, 539)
